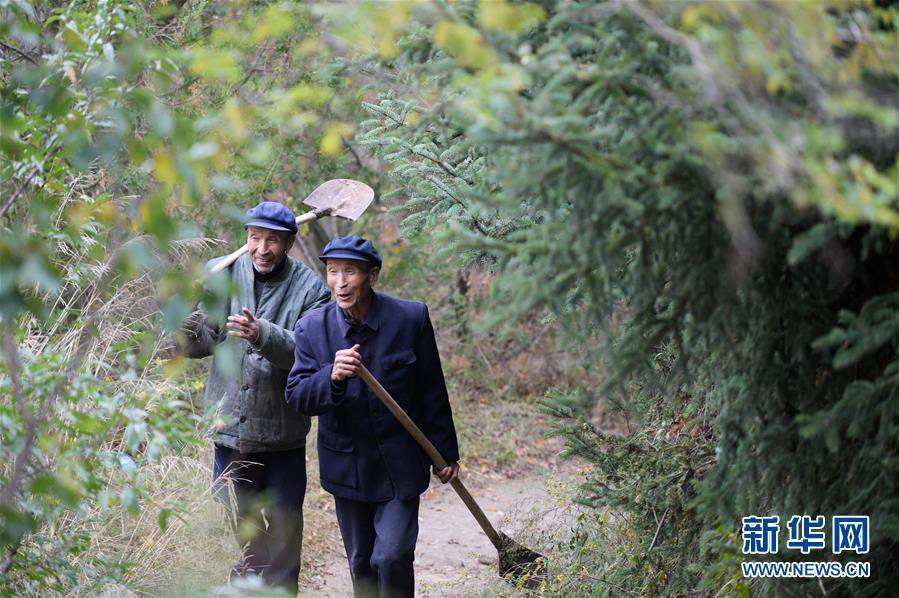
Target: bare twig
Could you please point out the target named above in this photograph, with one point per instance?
(486, 362)
(21, 53)
(18, 192)
(656, 535)
(11, 554)
(353, 151)
(11, 486)
(10, 354)
(252, 71)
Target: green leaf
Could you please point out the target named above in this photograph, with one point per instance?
(128, 499)
(14, 524)
(227, 359)
(64, 489)
(163, 518)
(36, 271)
(175, 312)
(156, 220)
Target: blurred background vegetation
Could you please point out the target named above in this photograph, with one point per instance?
(672, 223)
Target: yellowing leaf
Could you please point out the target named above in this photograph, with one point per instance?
(332, 141)
(237, 127)
(106, 213)
(388, 21)
(275, 22)
(387, 47)
(690, 17)
(164, 166)
(215, 64)
(465, 44)
(310, 95)
(78, 213)
(499, 15)
(73, 39)
(307, 47)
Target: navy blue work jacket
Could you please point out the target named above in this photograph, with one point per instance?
(363, 451)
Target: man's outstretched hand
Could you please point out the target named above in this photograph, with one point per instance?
(448, 473)
(246, 328)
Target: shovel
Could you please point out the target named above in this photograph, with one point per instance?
(338, 197)
(517, 564)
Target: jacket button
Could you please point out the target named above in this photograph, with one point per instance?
(246, 387)
(243, 418)
(249, 350)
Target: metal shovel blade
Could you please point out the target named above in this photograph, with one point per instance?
(345, 197)
(520, 565)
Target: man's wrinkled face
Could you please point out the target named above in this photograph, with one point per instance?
(267, 247)
(350, 281)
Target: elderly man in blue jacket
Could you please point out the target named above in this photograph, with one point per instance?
(371, 465)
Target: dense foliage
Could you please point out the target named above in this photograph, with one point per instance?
(123, 127)
(700, 197)
(711, 191)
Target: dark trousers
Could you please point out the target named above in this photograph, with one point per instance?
(266, 492)
(379, 538)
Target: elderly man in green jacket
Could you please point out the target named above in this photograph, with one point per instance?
(259, 439)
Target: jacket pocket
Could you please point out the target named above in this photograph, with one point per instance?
(398, 360)
(397, 375)
(337, 459)
(336, 442)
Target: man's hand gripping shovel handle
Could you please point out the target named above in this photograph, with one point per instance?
(433, 453)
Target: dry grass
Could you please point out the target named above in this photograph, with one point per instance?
(194, 554)
(193, 541)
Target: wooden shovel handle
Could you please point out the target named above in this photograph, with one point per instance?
(232, 257)
(433, 453)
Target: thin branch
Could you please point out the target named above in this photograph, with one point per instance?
(8, 561)
(474, 220)
(18, 191)
(353, 151)
(446, 167)
(21, 53)
(29, 419)
(252, 71)
(656, 535)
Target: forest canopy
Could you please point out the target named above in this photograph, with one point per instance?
(701, 199)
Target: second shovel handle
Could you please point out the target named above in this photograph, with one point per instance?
(433, 453)
(228, 260)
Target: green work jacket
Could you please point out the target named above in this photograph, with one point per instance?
(246, 382)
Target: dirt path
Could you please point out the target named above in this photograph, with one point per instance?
(453, 556)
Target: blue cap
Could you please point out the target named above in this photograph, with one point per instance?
(352, 247)
(271, 215)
